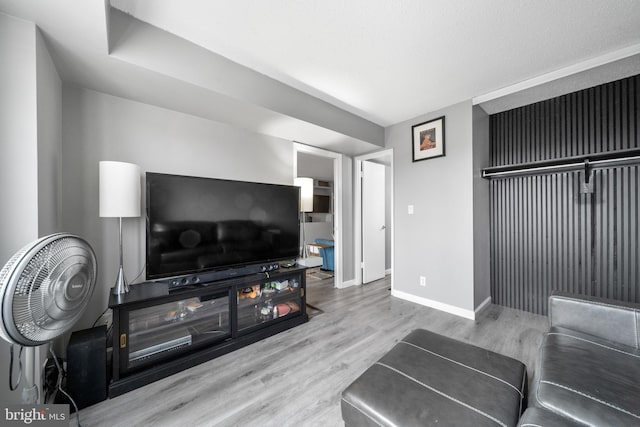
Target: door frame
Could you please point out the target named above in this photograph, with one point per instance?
(358, 210)
(338, 160)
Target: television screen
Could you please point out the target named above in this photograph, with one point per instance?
(204, 224)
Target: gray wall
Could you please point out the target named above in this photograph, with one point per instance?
(314, 166)
(18, 153)
(481, 214)
(18, 135)
(103, 127)
(30, 147)
(49, 92)
(437, 241)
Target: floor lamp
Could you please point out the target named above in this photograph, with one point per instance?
(119, 198)
(306, 205)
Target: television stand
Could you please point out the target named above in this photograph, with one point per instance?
(158, 332)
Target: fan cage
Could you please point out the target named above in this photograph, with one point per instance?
(46, 288)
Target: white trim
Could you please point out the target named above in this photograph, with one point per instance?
(467, 314)
(357, 209)
(357, 219)
(483, 306)
(388, 271)
(337, 207)
(616, 55)
(346, 284)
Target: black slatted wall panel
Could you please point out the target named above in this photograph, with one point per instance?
(547, 234)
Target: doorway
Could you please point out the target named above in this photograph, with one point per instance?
(324, 223)
(384, 157)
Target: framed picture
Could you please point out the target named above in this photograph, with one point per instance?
(428, 139)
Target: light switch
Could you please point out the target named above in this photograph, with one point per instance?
(410, 209)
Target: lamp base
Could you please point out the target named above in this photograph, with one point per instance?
(121, 286)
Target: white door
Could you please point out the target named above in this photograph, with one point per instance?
(373, 222)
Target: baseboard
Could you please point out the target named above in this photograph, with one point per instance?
(346, 284)
(467, 314)
(483, 306)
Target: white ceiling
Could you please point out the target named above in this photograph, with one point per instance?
(392, 60)
(371, 63)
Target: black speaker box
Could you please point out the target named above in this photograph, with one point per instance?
(87, 366)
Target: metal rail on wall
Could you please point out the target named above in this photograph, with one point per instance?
(587, 163)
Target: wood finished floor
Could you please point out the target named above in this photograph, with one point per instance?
(295, 378)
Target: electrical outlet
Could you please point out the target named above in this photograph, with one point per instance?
(423, 281)
(410, 209)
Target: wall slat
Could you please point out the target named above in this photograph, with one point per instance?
(546, 233)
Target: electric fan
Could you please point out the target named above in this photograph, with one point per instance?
(44, 289)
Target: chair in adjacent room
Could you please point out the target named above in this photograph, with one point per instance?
(326, 252)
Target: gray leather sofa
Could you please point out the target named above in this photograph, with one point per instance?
(588, 368)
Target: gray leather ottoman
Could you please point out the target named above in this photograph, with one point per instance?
(428, 379)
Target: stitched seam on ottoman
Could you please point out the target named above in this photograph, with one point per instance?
(591, 397)
(361, 411)
(594, 343)
(443, 394)
(466, 366)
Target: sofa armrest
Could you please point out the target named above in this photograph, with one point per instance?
(611, 320)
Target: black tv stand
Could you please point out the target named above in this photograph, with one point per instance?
(157, 333)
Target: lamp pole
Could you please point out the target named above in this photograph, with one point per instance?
(121, 286)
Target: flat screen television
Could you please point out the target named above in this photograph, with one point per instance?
(197, 225)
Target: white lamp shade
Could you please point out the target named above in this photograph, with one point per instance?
(306, 193)
(119, 189)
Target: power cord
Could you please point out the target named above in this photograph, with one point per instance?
(11, 386)
(99, 317)
(49, 380)
(59, 385)
(105, 310)
(139, 274)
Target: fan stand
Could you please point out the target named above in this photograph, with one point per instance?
(31, 390)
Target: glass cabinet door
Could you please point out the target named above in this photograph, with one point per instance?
(268, 301)
(158, 331)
